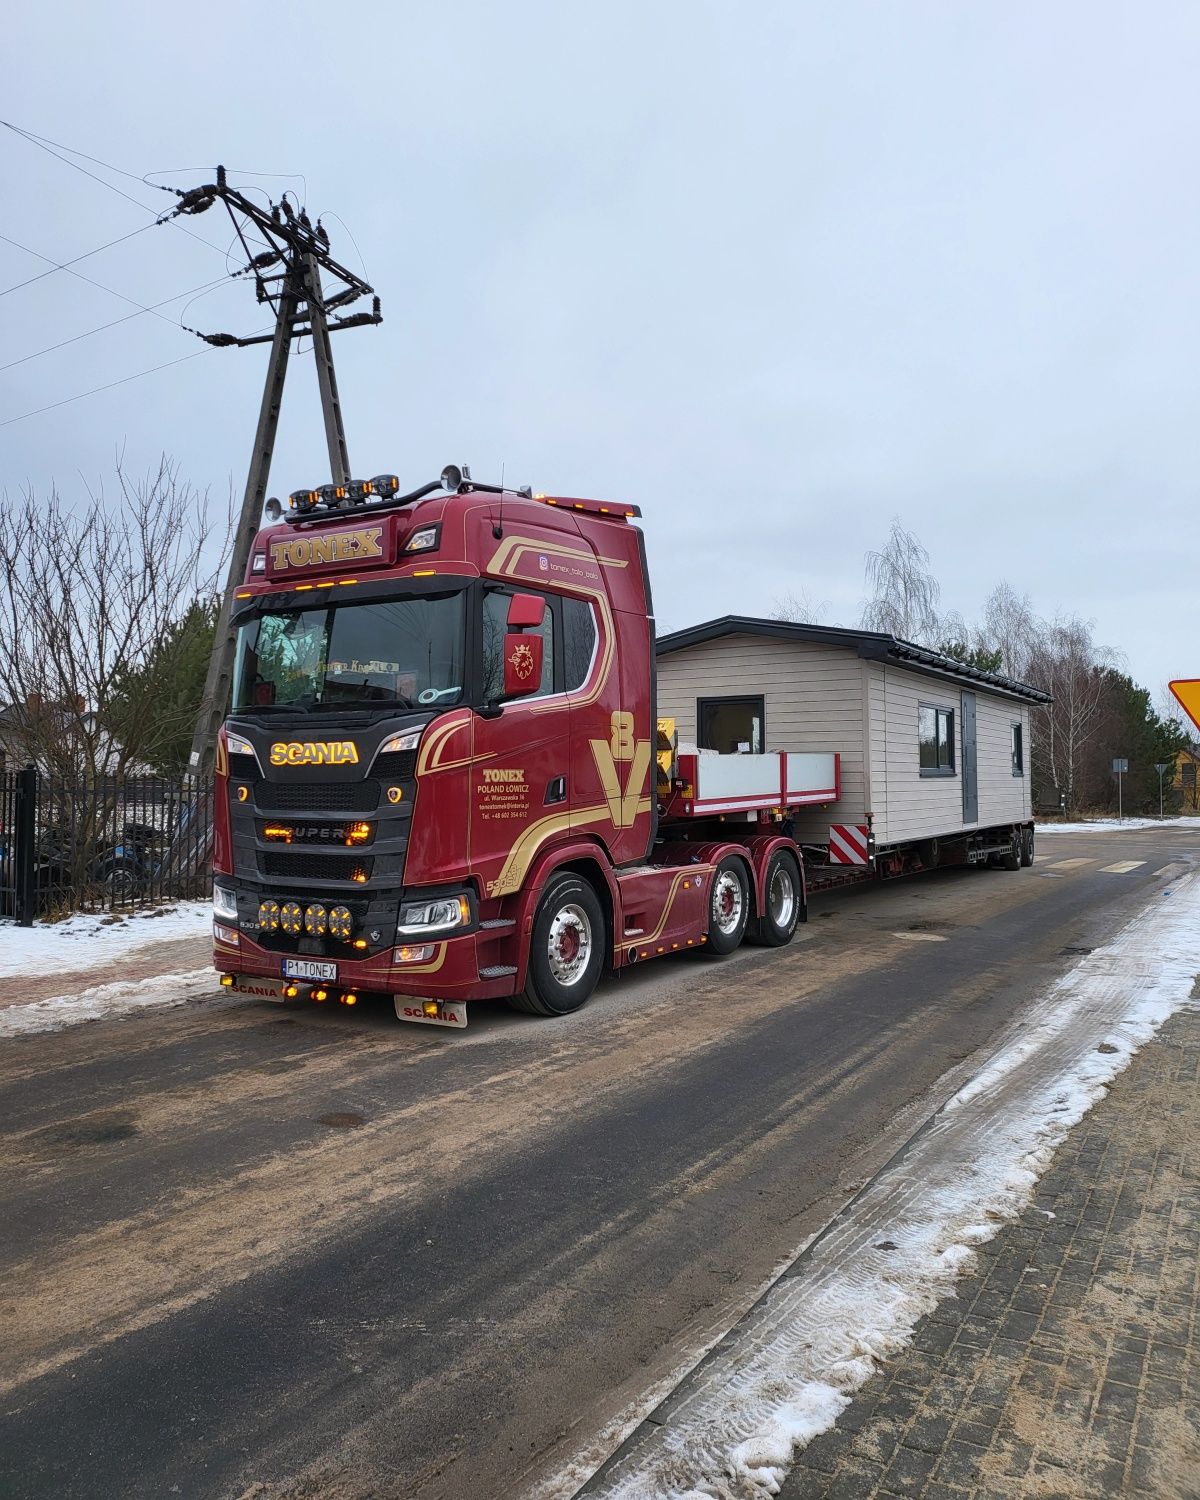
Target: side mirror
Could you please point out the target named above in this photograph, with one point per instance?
(522, 661)
(525, 612)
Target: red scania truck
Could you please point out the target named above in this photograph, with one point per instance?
(443, 779)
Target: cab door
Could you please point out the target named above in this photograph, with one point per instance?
(520, 771)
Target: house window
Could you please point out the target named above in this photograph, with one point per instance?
(734, 726)
(1018, 750)
(935, 738)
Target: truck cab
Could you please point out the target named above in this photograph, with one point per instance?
(438, 701)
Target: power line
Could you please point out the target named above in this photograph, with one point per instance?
(116, 322)
(111, 385)
(95, 391)
(43, 143)
(87, 254)
(66, 266)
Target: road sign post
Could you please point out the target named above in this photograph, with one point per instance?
(1162, 767)
(1120, 768)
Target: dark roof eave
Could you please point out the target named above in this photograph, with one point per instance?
(871, 645)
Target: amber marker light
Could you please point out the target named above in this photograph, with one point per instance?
(360, 942)
(358, 833)
(278, 831)
(290, 991)
(349, 998)
(227, 981)
(359, 877)
(320, 995)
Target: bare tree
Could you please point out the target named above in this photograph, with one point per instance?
(1009, 627)
(904, 593)
(89, 591)
(1066, 662)
(799, 609)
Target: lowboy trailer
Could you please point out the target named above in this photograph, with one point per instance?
(443, 778)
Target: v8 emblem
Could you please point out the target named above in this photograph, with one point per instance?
(619, 749)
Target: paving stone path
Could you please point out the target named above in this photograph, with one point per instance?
(1069, 1363)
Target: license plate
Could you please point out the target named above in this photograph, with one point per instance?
(448, 1012)
(305, 968)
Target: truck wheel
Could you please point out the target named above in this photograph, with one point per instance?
(1012, 860)
(728, 906)
(1027, 848)
(781, 901)
(566, 949)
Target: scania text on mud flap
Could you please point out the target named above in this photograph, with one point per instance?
(442, 778)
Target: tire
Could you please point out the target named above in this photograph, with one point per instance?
(782, 901)
(1027, 848)
(728, 906)
(566, 949)
(1012, 860)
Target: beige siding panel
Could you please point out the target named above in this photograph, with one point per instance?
(1003, 797)
(812, 697)
(912, 806)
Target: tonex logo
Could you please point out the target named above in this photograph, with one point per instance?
(314, 753)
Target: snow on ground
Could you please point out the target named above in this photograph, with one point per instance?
(1115, 825)
(104, 1001)
(789, 1369)
(87, 940)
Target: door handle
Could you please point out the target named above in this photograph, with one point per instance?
(556, 791)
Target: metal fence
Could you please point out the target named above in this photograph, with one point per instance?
(101, 844)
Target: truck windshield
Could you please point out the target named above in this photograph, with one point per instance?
(397, 651)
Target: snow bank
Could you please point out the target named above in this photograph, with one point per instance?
(1115, 825)
(794, 1363)
(87, 940)
(104, 1001)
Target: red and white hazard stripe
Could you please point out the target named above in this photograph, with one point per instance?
(848, 843)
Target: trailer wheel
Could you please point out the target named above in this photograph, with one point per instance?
(781, 902)
(1012, 860)
(1027, 848)
(566, 949)
(728, 906)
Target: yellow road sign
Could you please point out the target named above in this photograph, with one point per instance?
(1187, 690)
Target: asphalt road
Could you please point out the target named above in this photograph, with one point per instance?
(257, 1252)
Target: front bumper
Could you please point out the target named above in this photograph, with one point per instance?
(458, 968)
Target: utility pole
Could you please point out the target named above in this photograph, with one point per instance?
(287, 277)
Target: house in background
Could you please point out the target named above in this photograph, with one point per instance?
(1187, 776)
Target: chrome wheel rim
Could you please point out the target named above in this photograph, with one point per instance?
(569, 946)
(727, 902)
(782, 897)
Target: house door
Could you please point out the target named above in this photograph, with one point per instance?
(970, 766)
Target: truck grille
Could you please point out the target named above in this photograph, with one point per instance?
(316, 796)
(304, 866)
(398, 765)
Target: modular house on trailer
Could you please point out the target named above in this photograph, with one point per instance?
(934, 754)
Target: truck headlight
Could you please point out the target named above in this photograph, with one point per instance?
(224, 902)
(440, 915)
(236, 744)
(407, 741)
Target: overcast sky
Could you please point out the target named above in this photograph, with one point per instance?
(774, 272)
